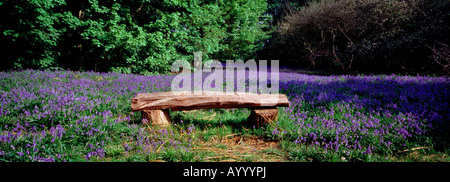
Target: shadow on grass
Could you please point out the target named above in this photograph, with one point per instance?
(217, 118)
(234, 122)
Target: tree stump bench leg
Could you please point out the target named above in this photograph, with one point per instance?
(261, 117)
(157, 117)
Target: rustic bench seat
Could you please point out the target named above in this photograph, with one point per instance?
(155, 106)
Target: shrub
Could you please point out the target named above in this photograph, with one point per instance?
(366, 35)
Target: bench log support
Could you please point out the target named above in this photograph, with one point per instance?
(262, 117)
(157, 117)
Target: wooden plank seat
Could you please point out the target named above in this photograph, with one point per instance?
(155, 106)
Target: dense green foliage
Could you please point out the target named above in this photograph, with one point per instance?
(128, 36)
(144, 36)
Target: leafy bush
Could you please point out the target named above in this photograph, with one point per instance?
(128, 36)
(367, 35)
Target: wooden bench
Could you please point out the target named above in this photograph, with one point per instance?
(155, 106)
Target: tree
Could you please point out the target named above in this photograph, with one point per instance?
(128, 36)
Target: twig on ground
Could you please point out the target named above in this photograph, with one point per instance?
(417, 148)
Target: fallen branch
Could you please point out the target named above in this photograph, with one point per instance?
(417, 148)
